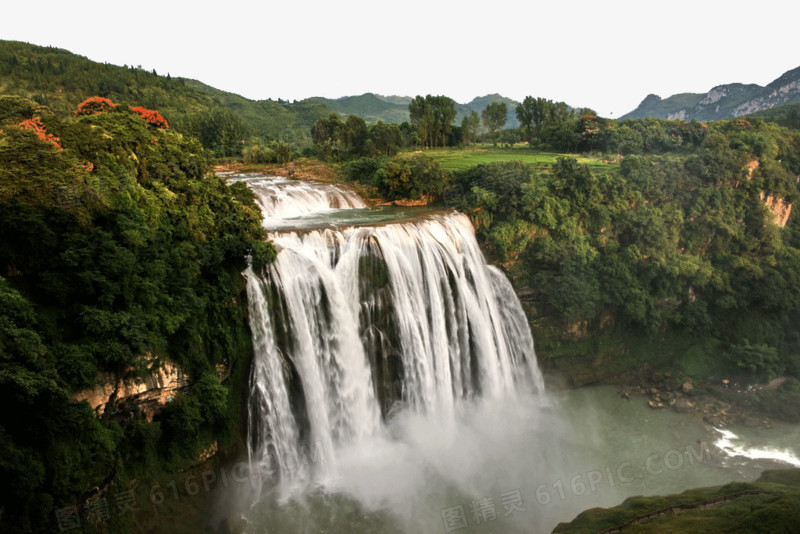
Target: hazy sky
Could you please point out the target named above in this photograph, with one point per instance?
(607, 55)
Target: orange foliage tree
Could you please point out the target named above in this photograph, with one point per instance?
(152, 117)
(94, 104)
(36, 125)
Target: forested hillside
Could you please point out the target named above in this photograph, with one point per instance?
(685, 255)
(222, 121)
(788, 115)
(681, 252)
(120, 254)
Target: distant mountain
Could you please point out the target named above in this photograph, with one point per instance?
(479, 104)
(61, 80)
(371, 107)
(394, 99)
(267, 118)
(394, 109)
(723, 101)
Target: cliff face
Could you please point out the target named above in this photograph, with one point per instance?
(723, 101)
(149, 393)
(779, 207)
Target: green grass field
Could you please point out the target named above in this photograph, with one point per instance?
(454, 159)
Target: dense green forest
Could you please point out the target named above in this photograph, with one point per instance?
(674, 255)
(119, 253)
(682, 254)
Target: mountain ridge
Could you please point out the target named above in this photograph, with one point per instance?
(373, 107)
(725, 101)
(62, 79)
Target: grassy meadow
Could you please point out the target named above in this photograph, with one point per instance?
(457, 159)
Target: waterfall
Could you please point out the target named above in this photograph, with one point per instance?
(353, 325)
(281, 199)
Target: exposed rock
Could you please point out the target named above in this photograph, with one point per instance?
(655, 405)
(207, 453)
(687, 387)
(149, 393)
(578, 330)
(714, 95)
(751, 168)
(683, 406)
(779, 207)
(723, 101)
(656, 377)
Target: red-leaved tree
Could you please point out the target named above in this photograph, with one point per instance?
(94, 104)
(36, 125)
(152, 117)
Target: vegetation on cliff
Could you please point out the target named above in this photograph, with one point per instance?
(678, 251)
(771, 504)
(119, 252)
(676, 243)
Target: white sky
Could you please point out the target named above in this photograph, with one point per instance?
(607, 55)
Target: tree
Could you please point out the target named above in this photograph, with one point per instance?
(525, 118)
(433, 117)
(444, 113)
(385, 138)
(494, 118)
(421, 113)
(470, 125)
(94, 104)
(355, 130)
(329, 135)
(220, 130)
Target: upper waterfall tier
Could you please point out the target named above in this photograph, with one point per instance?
(281, 199)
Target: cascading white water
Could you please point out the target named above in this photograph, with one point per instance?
(353, 326)
(280, 198)
(459, 327)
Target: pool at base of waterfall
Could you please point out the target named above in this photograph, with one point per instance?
(519, 468)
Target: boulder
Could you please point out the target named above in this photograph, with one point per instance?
(684, 406)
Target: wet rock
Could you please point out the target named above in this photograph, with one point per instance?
(715, 420)
(656, 377)
(684, 406)
(687, 387)
(751, 422)
(655, 405)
